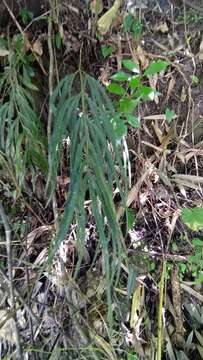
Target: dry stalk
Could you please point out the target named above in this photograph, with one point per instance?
(10, 275)
(20, 298)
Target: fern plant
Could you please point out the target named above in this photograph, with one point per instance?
(22, 139)
(86, 118)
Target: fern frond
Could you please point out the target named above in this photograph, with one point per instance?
(86, 118)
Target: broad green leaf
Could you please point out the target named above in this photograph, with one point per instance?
(133, 121)
(106, 50)
(193, 218)
(116, 89)
(146, 93)
(155, 67)
(134, 82)
(127, 105)
(120, 76)
(130, 65)
(169, 115)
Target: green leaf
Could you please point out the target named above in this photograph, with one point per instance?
(197, 243)
(193, 218)
(127, 105)
(133, 121)
(134, 82)
(137, 28)
(25, 15)
(128, 21)
(132, 357)
(147, 93)
(106, 50)
(130, 215)
(120, 76)
(194, 79)
(29, 84)
(116, 89)
(119, 127)
(199, 279)
(130, 65)
(156, 67)
(58, 40)
(169, 115)
(131, 281)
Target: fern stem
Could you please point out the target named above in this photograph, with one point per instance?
(50, 115)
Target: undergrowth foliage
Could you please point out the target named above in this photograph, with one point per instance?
(86, 118)
(22, 138)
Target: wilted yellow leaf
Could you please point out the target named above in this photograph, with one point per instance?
(96, 6)
(137, 303)
(104, 23)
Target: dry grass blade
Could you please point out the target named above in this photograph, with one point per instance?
(191, 181)
(133, 194)
(160, 311)
(191, 291)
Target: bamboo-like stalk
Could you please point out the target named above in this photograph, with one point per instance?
(160, 312)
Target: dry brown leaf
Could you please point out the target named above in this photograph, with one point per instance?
(195, 152)
(170, 88)
(176, 294)
(37, 47)
(155, 117)
(105, 74)
(183, 96)
(142, 57)
(26, 46)
(191, 181)
(153, 82)
(134, 192)
(35, 234)
(200, 55)
(136, 308)
(162, 27)
(96, 6)
(157, 131)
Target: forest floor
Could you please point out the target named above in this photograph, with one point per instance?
(157, 302)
